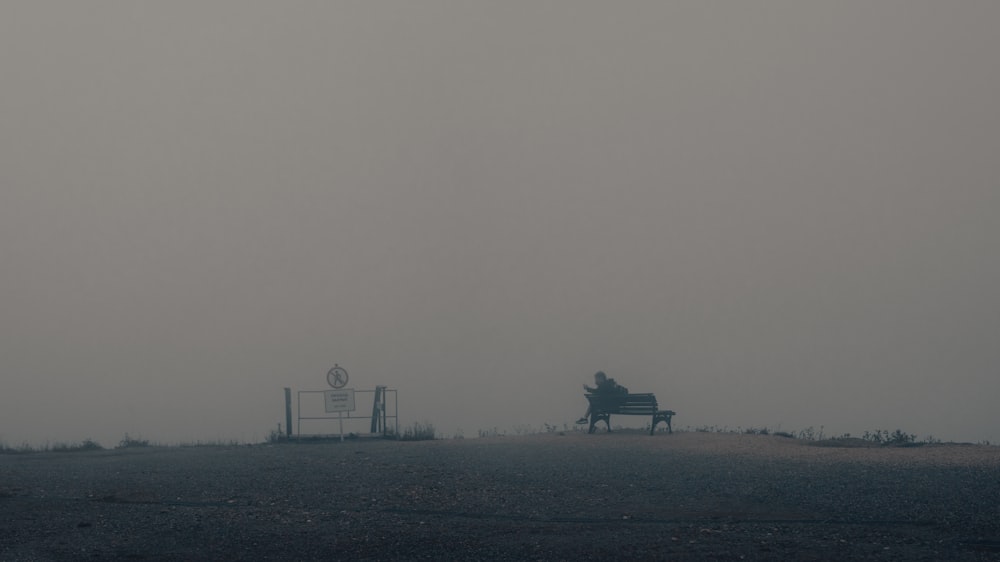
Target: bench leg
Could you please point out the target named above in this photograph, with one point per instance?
(594, 418)
(657, 418)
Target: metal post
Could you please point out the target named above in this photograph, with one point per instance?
(378, 410)
(288, 412)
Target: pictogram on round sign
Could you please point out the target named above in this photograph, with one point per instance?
(337, 376)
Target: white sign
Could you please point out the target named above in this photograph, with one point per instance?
(339, 400)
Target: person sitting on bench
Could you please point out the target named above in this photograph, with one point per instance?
(604, 386)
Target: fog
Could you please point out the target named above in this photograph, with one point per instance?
(771, 214)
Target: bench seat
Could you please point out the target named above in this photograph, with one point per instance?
(644, 404)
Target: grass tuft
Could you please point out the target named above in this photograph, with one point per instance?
(417, 432)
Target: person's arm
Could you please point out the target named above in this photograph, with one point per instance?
(589, 389)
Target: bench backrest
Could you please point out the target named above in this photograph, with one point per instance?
(623, 403)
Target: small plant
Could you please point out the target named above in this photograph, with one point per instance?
(810, 434)
(87, 445)
(900, 438)
(218, 443)
(130, 442)
(276, 435)
(522, 429)
(895, 438)
(8, 450)
(418, 432)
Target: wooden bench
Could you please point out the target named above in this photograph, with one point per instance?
(603, 405)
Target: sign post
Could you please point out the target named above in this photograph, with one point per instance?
(340, 400)
(288, 413)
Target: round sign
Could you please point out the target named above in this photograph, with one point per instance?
(336, 377)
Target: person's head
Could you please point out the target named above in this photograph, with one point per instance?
(600, 377)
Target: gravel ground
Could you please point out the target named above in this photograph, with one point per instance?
(618, 496)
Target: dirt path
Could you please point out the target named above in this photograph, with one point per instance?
(687, 496)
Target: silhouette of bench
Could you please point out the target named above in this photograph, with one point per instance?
(603, 405)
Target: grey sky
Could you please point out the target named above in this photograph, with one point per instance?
(776, 214)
